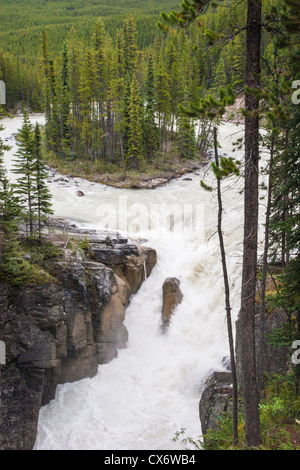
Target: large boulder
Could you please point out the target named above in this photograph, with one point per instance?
(216, 399)
(172, 297)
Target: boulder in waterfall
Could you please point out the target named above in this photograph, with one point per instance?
(80, 193)
(172, 297)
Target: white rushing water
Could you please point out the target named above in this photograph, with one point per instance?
(152, 390)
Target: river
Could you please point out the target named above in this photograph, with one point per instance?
(152, 390)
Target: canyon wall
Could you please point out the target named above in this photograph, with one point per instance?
(60, 332)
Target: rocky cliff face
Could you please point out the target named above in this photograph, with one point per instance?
(60, 332)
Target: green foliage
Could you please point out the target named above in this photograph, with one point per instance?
(186, 138)
(40, 250)
(42, 204)
(23, 168)
(84, 247)
(151, 136)
(227, 167)
(135, 126)
(33, 194)
(23, 262)
(205, 186)
(31, 17)
(9, 205)
(279, 413)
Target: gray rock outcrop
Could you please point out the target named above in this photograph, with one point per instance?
(216, 399)
(61, 332)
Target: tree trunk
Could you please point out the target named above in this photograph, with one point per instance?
(227, 299)
(247, 331)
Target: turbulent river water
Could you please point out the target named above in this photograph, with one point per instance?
(152, 390)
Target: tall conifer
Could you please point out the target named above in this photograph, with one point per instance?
(43, 198)
(135, 127)
(151, 137)
(23, 168)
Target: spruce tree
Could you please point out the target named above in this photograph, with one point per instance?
(163, 100)
(9, 207)
(135, 127)
(186, 138)
(130, 45)
(43, 196)
(220, 75)
(24, 169)
(125, 113)
(65, 100)
(151, 137)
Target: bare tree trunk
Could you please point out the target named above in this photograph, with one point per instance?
(227, 299)
(247, 312)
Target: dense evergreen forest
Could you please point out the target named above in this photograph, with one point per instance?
(23, 23)
(122, 89)
(22, 35)
(20, 60)
(86, 83)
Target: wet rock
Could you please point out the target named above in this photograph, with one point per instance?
(216, 399)
(80, 193)
(61, 332)
(172, 297)
(61, 180)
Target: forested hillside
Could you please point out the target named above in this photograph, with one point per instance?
(22, 22)
(22, 28)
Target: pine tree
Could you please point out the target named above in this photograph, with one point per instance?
(23, 167)
(126, 112)
(130, 45)
(9, 215)
(237, 70)
(43, 196)
(163, 100)
(220, 75)
(74, 69)
(151, 137)
(85, 98)
(100, 85)
(46, 79)
(135, 127)
(9, 207)
(65, 100)
(186, 138)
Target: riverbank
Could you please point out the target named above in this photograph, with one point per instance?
(150, 176)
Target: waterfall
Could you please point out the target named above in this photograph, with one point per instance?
(152, 390)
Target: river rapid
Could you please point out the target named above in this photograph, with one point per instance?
(152, 390)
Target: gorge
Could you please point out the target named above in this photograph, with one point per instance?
(140, 399)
